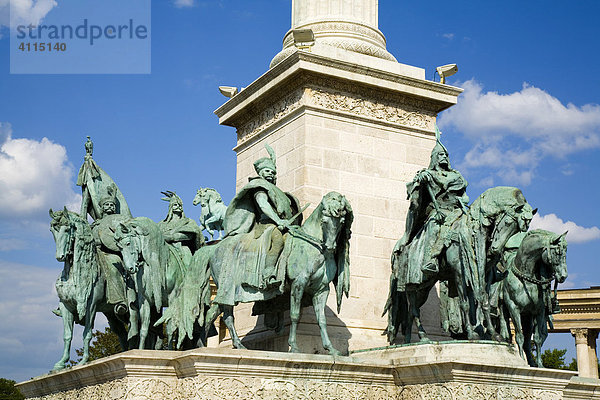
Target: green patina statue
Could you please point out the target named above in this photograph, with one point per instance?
(142, 274)
(213, 211)
(266, 255)
(158, 257)
(533, 260)
(182, 233)
(82, 285)
(458, 245)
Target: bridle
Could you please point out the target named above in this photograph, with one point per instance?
(552, 259)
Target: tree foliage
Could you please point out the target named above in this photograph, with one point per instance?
(103, 344)
(554, 358)
(8, 391)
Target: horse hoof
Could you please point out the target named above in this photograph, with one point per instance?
(58, 366)
(498, 338)
(294, 350)
(334, 352)
(239, 346)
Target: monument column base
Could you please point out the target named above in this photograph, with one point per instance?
(358, 125)
(428, 371)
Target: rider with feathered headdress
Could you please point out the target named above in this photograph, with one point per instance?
(255, 219)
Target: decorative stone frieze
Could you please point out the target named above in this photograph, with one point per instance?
(339, 97)
(208, 374)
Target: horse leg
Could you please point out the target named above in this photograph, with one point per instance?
(420, 300)
(413, 316)
(68, 320)
(296, 293)
(540, 334)
(491, 330)
(88, 328)
(527, 324)
(210, 317)
(453, 256)
(516, 318)
(229, 322)
(503, 318)
(319, 300)
(145, 322)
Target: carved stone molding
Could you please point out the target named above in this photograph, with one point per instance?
(259, 389)
(248, 388)
(464, 391)
(580, 335)
(111, 390)
(339, 26)
(400, 111)
(270, 115)
(333, 95)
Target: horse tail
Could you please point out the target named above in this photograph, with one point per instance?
(192, 296)
(84, 267)
(342, 258)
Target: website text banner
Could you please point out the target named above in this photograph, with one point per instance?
(82, 37)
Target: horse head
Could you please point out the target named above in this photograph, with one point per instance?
(336, 215)
(555, 255)
(515, 219)
(128, 237)
(63, 231)
(207, 196)
(199, 197)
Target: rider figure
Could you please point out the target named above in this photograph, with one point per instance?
(261, 212)
(182, 233)
(437, 200)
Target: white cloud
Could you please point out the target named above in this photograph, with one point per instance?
(183, 3)
(512, 133)
(24, 12)
(448, 36)
(34, 176)
(577, 234)
(30, 335)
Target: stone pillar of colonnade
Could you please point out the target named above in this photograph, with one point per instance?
(587, 361)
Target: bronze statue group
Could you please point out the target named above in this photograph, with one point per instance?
(150, 279)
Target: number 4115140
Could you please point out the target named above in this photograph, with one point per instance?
(42, 46)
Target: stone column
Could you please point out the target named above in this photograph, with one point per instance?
(585, 358)
(591, 343)
(346, 24)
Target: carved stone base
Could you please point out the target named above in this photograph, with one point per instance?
(243, 374)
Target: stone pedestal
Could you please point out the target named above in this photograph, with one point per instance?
(347, 122)
(433, 371)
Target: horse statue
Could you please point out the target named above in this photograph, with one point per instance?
(471, 240)
(525, 292)
(313, 255)
(82, 283)
(156, 268)
(213, 211)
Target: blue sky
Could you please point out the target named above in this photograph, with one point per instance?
(529, 117)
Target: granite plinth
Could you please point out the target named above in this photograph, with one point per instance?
(421, 371)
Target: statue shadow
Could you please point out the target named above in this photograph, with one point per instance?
(261, 337)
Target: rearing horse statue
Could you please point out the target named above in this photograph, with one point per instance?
(213, 211)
